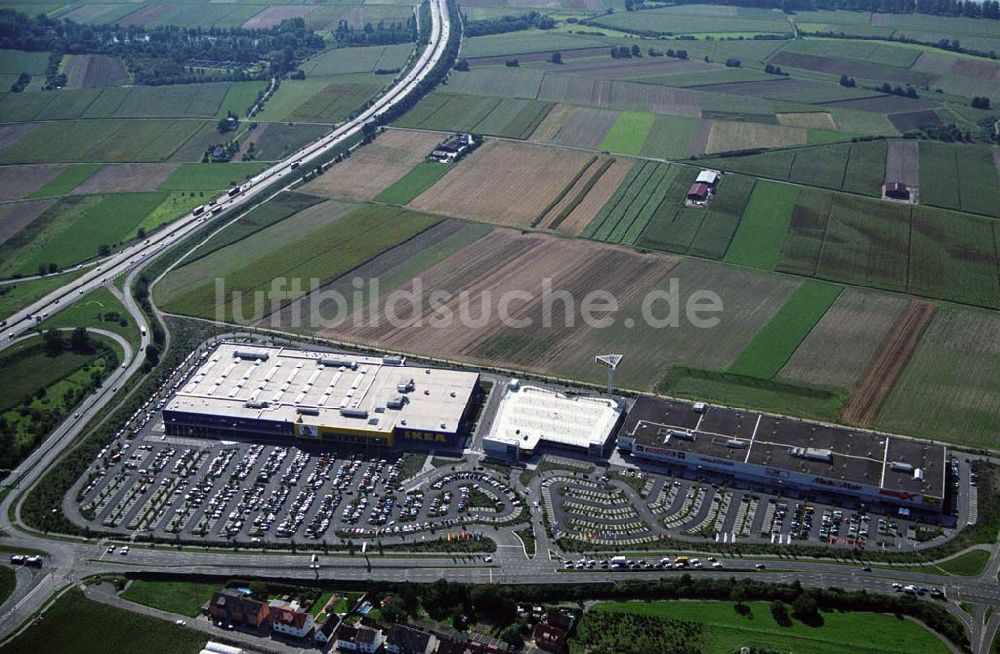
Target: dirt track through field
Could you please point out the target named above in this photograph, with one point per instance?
(889, 362)
(902, 162)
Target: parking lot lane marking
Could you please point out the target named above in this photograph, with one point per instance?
(753, 436)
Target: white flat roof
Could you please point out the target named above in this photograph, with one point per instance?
(707, 176)
(272, 383)
(529, 415)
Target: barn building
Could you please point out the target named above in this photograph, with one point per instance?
(698, 192)
(291, 395)
(785, 453)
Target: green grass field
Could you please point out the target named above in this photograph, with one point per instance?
(700, 231)
(329, 241)
(969, 564)
(840, 633)
(73, 230)
(7, 583)
(752, 393)
(762, 228)
(119, 140)
(413, 183)
(21, 294)
(267, 214)
(76, 624)
(180, 597)
(209, 177)
(774, 344)
(91, 310)
(670, 137)
(47, 386)
(628, 134)
(66, 181)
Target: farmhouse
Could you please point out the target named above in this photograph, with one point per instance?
(698, 192)
(785, 453)
(285, 394)
(897, 191)
(529, 417)
(452, 148)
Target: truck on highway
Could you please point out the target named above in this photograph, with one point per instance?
(618, 561)
(198, 210)
(233, 191)
(142, 330)
(295, 164)
(681, 562)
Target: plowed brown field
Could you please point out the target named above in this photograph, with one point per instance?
(893, 355)
(487, 271)
(503, 183)
(376, 166)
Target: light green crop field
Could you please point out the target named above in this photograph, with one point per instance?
(839, 632)
(420, 178)
(629, 132)
(762, 228)
(773, 345)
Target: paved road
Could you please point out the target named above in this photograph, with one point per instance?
(68, 559)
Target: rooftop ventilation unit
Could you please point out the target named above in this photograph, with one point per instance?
(331, 362)
(393, 361)
(256, 404)
(405, 387)
(918, 474)
(348, 412)
(736, 444)
(396, 402)
(251, 356)
(682, 434)
(899, 466)
(812, 454)
(307, 411)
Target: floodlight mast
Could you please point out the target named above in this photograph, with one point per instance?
(609, 361)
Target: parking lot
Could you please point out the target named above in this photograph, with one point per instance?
(633, 507)
(187, 488)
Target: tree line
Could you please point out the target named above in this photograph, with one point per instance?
(968, 8)
(381, 33)
(503, 24)
(165, 54)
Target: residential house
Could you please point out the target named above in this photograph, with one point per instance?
(237, 609)
(325, 633)
(404, 639)
(290, 622)
(359, 639)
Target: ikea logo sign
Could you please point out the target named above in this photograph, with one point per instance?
(425, 437)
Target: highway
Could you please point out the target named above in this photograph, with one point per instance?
(70, 560)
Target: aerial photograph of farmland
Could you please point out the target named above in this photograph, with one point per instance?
(500, 326)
